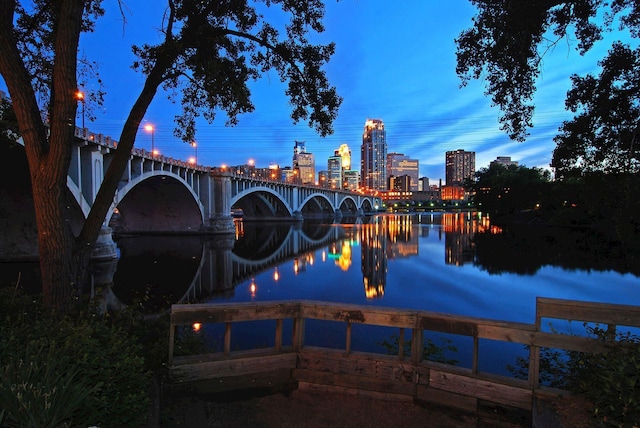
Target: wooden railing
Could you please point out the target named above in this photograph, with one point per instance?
(404, 375)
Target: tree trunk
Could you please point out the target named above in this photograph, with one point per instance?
(64, 258)
(48, 150)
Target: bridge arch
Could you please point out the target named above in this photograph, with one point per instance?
(316, 203)
(348, 205)
(366, 206)
(263, 202)
(158, 201)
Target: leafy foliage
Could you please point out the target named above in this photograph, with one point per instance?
(501, 190)
(209, 51)
(510, 38)
(605, 134)
(68, 368)
(39, 390)
(610, 380)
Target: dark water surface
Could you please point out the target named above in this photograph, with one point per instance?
(454, 263)
(444, 262)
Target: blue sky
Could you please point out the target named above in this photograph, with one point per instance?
(395, 63)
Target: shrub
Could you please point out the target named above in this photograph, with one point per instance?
(610, 380)
(86, 361)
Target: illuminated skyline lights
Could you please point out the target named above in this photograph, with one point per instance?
(373, 156)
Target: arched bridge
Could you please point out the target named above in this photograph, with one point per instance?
(275, 200)
(162, 194)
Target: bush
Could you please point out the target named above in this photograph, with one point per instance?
(71, 368)
(610, 380)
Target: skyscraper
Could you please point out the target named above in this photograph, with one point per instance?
(460, 165)
(373, 156)
(398, 165)
(345, 155)
(334, 168)
(304, 163)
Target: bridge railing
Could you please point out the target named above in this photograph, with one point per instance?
(232, 172)
(405, 374)
(107, 141)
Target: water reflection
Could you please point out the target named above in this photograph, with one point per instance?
(159, 270)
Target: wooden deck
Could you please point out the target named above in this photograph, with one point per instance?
(400, 376)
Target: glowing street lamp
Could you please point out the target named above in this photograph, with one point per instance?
(80, 97)
(195, 147)
(150, 128)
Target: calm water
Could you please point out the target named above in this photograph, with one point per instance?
(440, 262)
(445, 262)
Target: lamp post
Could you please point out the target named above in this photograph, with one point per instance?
(195, 148)
(80, 97)
(150, 128)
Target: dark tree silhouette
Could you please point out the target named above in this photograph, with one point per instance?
(210, 51)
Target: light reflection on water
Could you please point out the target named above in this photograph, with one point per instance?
(452, 263)
(429, 262)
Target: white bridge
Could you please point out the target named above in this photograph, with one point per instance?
(158, 194)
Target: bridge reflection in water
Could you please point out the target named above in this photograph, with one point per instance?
(157, 271)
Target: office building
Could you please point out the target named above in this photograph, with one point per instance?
(304, 163)
(504, 161)
(459, 166)
(334, 170)
(350, 179)
(373, 156)
(399, 165)
(400, 183)
(323, 178)
(423, 184)
(345, 154)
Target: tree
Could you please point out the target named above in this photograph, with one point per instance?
(602, 136)
(508, 41)
(209, 52)
(504, 190)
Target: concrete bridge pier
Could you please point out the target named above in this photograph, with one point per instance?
(105, 248)
(220, 220)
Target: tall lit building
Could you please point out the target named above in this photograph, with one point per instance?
(304, 163)
(339, 168)
(398, 165)
(345, 155)
(334, 170)
(460, 165)
(373, 156)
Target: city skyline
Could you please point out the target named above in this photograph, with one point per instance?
(395, 63)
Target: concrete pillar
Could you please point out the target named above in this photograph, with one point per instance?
(220, 220)
(104, 248)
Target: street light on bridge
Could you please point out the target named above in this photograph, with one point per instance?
(80, 97)
(151, 128)
(195, 148)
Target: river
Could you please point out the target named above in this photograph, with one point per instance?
(455, 263)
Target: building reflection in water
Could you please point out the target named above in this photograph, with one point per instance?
(373, 244)
(218, 267)
(459, 231)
